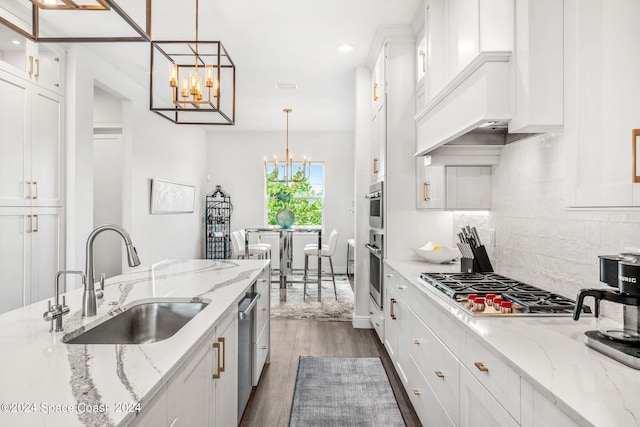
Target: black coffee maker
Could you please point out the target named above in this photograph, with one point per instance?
(618, 334)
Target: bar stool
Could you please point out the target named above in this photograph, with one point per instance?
(327, 251)
(237, 241)
(243, 235)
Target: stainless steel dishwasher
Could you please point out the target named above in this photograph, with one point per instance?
(246, 320)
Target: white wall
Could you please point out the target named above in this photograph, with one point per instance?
(537, 240)
(153, 148)
(235, 161)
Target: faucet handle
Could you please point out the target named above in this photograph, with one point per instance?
(100, 292)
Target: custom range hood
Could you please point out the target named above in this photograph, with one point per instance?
(471, 112)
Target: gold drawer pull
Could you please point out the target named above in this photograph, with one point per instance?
(216, 346)
(389, 276)
(263, 347)
(392, 314)
(375, 91)
(30, 65)
(416, 391)
(481, 367)
(264, 308)
(439, 374)
(37, 68)
(377, 324)
(416, 341)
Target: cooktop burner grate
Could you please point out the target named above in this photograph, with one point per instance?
(530, 299)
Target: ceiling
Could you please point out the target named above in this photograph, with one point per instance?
(271, 42)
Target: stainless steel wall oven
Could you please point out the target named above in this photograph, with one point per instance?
(375, 248)
(376, 206)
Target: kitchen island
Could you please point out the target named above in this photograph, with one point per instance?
(537, 369)
(47, 383)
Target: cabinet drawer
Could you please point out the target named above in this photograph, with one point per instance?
(444, 326)
(261, 352)
(263, 307)
(494, 374)
(438, 366)
(424, 400)
(375, 316)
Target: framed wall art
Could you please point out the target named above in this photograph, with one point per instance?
(170, 197)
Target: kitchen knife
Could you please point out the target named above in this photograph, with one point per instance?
(476, 236)
(464, 233)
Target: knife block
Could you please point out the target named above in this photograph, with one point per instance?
(480, 262)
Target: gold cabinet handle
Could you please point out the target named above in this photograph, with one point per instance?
(388, 276)
(35, 230)
(391, 311)
(37, 68)
(416, 341)
(423, 59)
(375, 166)
(221, 356)
(439, 374)
(30, 184)
(481, 367)
(377, 324)
(35, 183)
(400, 288)
(415, 391)
(30, 230)
(375, 91)
(30, 65)
(224, 352)
(426, 191)
(263, 347)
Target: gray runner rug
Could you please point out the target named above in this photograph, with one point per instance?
(343, 391)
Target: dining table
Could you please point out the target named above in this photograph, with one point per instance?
(286, 253)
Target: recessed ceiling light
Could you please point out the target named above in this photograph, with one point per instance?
(345, 47)
(15, 41)
(285, 86)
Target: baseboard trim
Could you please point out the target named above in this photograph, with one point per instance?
(361, 322)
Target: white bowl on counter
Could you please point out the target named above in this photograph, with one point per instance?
(437, 256)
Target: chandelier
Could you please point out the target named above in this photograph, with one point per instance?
(285, 173)
(196, 72)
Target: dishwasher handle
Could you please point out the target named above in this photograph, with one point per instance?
(244, 313)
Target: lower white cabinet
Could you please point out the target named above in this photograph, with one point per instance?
(203, 392)
(478, 408)
(31, 254)
(262, 344)
(538, 411)
(376, 319)
(451, 377)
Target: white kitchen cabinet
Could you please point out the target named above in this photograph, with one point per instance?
(452, 187)
(262, 344)
(376, 318)
(378, 118)
(39, 63)
(225, 367)
(391, 325)
(601, 102)
(538, 411)
(31, 254)
(478, 408)
(31, 144)
(468, 187)
(537, 67)
(430, 185)
(425, 400)
(155, 413)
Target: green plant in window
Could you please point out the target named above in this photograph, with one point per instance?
(307, 211)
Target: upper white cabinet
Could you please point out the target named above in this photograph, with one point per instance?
(31, 144)
(379, 118)
(453, 187)
(40, 63)
(601, 102)
(488, 61)
(537, 67)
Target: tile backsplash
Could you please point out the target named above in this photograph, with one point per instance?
(535, 238)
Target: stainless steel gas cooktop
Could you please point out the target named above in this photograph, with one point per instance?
(489, 294)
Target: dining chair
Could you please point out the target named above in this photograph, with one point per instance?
(243, 234)
(327, 251)
(237, 242)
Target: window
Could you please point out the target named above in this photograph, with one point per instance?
(307, 195)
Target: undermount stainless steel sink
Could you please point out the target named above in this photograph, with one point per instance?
(141, 322)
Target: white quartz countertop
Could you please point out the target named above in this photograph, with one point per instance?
(44, 382)
(550, 354)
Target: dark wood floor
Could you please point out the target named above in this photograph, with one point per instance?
(271, 402)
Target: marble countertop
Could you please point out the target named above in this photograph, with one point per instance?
(550, 354)
(44, 382)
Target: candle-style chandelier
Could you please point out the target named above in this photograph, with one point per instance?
(197, 71)
(285, 172)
